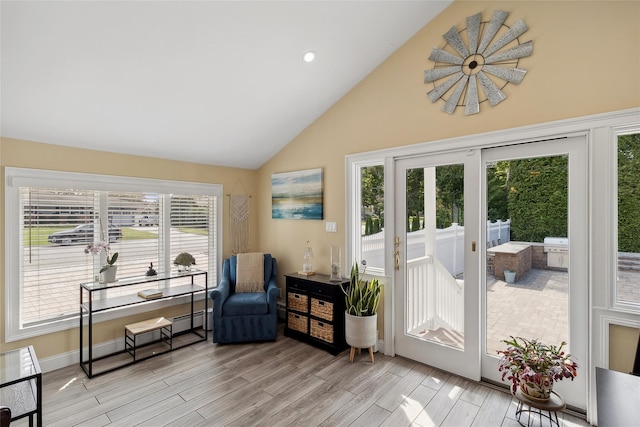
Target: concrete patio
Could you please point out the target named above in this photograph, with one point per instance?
(533, 307)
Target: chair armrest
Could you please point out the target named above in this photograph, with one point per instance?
(219, 295)
(273, 292)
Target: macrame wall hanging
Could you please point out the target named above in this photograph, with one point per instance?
(239, 223)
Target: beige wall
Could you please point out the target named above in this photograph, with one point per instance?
(585, 61)
(26, 154)
(623, 341)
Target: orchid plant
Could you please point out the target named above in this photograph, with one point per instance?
(95, 248)
(531, 361)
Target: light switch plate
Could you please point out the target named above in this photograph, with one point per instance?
(331, 227)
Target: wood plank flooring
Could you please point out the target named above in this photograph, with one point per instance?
(284, 383)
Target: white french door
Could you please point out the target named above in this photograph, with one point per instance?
(548, 300)
(452, 303)
(437, 301)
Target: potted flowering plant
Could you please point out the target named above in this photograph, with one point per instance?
(534, 366)
(108, 270)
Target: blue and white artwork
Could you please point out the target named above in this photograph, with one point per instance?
(297, 195)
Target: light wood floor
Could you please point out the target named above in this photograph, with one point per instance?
(273, 384)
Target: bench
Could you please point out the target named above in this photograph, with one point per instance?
(132, 331)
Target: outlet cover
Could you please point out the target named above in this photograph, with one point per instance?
(331, 227)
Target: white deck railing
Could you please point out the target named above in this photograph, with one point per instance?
(439, 305)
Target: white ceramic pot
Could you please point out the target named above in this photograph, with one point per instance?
(109, 275)
(361, 331)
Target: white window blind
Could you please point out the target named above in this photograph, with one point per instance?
(50, 217)
(190, 227)
(55, 223)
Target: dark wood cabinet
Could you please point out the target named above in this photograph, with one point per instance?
(315, 311)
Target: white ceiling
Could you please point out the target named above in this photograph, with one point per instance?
(214, 82)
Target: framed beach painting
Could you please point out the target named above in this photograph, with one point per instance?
(297, 195)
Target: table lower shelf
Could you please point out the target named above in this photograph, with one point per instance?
(21, 398)
(117, 360)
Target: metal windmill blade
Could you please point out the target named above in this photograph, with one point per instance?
(439, 55)
(514, 32)
(438, 73)
(437, 92)
(512, 75)
(520, 51)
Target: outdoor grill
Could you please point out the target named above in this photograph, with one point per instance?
(557, 249)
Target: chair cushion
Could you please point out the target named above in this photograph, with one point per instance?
(247, 303)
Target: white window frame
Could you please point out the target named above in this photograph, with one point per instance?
(22, 177)
(354, 165)
(614, 303)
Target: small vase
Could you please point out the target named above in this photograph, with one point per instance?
(184, 268)
(537, 391)
(109, 275)
(336, 256)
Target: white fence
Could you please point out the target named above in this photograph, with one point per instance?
(449, 245)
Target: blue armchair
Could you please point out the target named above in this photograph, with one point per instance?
(245, 316)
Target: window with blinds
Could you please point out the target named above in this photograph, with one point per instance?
(49, 227)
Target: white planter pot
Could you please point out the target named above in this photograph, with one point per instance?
(361, 331)
(109, 275)
(509, 276)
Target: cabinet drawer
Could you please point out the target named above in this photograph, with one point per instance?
(298, 323)
(298, 302)
(322, 309)
(322, 330)
(329, 291)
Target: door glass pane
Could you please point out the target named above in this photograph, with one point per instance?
(527, 251)
(628, 283)
(435, 254)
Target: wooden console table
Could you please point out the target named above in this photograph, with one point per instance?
(98, 297)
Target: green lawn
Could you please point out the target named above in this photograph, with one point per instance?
(39, 235)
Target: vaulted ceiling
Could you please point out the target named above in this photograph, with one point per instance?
(214, 82)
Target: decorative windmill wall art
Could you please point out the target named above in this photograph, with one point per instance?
(459, 67)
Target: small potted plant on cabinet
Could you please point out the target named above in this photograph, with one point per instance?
(534, 366)
(361, 317)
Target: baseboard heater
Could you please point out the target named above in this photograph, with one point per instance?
(183, 322)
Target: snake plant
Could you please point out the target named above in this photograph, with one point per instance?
(362, 297)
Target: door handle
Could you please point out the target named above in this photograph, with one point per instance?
(396, 254)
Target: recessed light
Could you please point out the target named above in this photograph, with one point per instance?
(309, 56)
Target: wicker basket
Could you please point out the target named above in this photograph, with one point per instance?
(298, 323)
(322, 330)
(322, 309)
(297, 302)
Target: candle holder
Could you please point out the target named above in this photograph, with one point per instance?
(307, 268)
